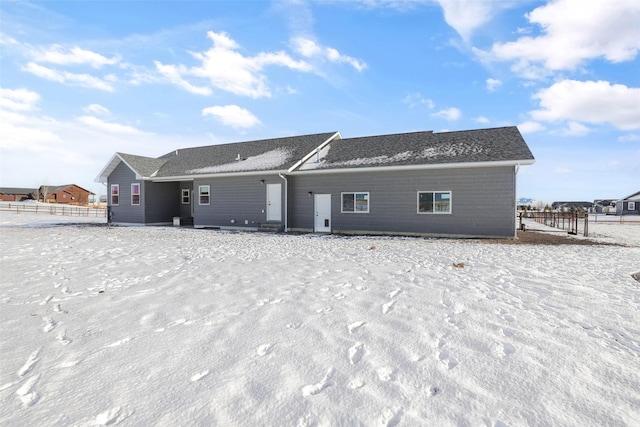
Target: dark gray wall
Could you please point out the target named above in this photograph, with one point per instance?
(124, 212)
(185, 210)
(237, 199)
(483, 201)
(161, 201)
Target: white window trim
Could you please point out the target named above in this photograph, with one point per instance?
(132, 194)
(434, 212)
(182, 196)
(354, 211)
(631, 206)
(111, 195)
(200, 195)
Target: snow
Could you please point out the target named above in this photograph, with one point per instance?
(268, 160)
(172, 326)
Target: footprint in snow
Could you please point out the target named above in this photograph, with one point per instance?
(313, 389)
(356, 352)
(58, 309)
(391, 417)
(387, 307)
(446, 360)
(119, 342)
(505, 350)
(200, 375)
(264, 349)
(62, 337)
(386, 373)
(111, 416)
(49, 324)
(46, 300)
(353, 327)
(29, 364)
(394, 293)
(26, 393)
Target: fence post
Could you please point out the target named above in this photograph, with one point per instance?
(586, 224)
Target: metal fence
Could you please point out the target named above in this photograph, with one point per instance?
(573, 222)
(53, 209)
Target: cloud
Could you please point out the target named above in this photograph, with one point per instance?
(481, 119)
(225, 68)
(416, 99)
(18, 99)
(109, 127)
(493, 84)
(465, 16)
(530, 127)
(576, 129)
(573, 31)
(59, 55)
(97, 109)
(72, 79)
(595, 102)
(632, 137)
(232, 115)
(308, 48)
(450, 114)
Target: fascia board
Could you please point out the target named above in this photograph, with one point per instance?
(216, 175)
(315, 150)
(466, 165)
(111, 165)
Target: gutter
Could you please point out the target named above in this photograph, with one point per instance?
(286, 199)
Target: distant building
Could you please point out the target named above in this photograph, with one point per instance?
(629, 205)
(66, 194)
(8, 194)
(604, 206)
(557, 206)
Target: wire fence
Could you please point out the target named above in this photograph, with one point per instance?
(573, 222)
(53, 209)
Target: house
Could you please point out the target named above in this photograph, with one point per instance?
(421, 183)
(629, 205)
(66, 194)
(604, 206)
(558, 206)
(17, 194)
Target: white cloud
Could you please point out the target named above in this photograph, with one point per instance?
(560, 170)
(232, 115)
(493, 84)
(574, 31)
(109, 127)
(530, 127)
(629, 137)
(589, 102)
(467, 15)
(18, 99)
(72, 79)
(174, 73)
(97, 109)
(481, 119)
(59, 55)
(310, 49)
(576, 129)
(450, 114)
(415, 99)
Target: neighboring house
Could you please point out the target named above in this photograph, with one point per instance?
(18, 194)
(66, 194)
(558, 206)
(629, 205)
(422, 183)
(604, 206)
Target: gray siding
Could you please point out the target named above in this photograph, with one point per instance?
(161, 201)
(125, 212)
(235, 201)
(483, 201)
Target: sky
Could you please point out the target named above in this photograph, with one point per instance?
(81, 80)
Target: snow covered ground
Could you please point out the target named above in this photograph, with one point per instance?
(179, 327)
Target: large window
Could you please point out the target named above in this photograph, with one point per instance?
(186, 199)
(438, 202)
(115, 194)
(204, 197)
(135, 194)
(631, 206)
(355, 202)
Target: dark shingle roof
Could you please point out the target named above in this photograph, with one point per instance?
(262, 155)
(145, 166)
(13, 190)
(423, 148)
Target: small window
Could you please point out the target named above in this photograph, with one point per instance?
(115, 194)
(355, 202)
(631, 206)
(186, 196)
(135, 194)
(438, 202)
(203, 192)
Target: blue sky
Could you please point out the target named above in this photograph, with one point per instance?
(80, 80)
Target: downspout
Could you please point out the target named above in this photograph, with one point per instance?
(515, 197)
(286, 199)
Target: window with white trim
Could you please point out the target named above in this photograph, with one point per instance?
(631, 206)
(186, 196)
(115, 194)
(434, 202)
(135, 194)
(204, 194)
(355, 202)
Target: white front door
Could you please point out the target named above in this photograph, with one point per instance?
(322, 207)
(274, 202)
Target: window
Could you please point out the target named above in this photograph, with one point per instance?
(355, 202)
(438, 202)
(186, 199)
(135, 194)
(631, 206)
(203, 192)
(115, 194)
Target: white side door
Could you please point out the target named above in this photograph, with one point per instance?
(274, 202)
(322, 208)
